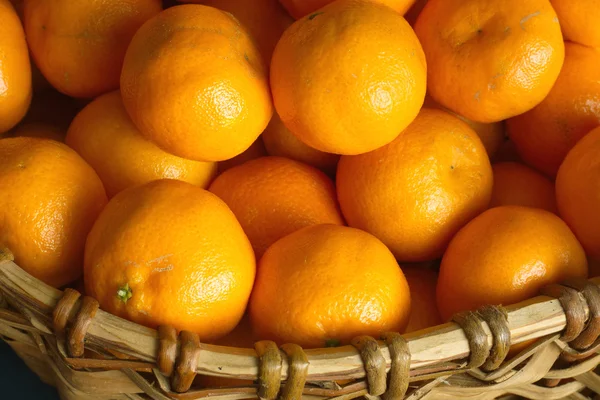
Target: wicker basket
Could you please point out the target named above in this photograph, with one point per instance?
(90, 354)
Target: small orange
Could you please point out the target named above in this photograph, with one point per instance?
(324, 285)
(489, 60)
(517, 184)
(103, 134)
(79, 46)
(364, 92)
(545, 135)
(15, 70)
(256, 150)
(506, 255)
(38, 130)
(206, 97)
(265, 20)
(301, 8)
(423, 311)
(170, 253)
(275, 196)
(279, 141)
(578, 191)
(49, 200)
(579, 20)
(491, 135)
(417, 192)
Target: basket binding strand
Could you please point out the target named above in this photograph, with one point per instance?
(89, 354)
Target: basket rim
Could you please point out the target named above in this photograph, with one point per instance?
(535, 318)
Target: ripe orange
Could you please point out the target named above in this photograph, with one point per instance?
(364, 92)
(578, 191)
(417, 192)
(265, 20)
(423, 311)
(279, 141)
(15, 70)
(170, 253)
(579, 20)
(256, 150)
(275, 196)
(326, 284)
(301, 8)
(491, 135)
(79, 46)
(518, 185)
(206, 97)
(489, 60)
(103, 134)
(49, 200)
(504, 256)
(545, 135)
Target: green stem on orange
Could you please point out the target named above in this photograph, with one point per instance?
(124, 293)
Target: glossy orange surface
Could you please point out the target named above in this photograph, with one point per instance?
(189, 265)
(328, 283)
(579, 20)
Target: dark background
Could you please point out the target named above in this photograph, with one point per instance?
(18, 382)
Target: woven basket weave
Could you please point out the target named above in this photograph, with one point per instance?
(90, 354)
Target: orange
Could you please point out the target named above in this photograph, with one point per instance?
(324, 285)
(364, 92)
(79, 46)
(103, 134)
(265, 20)
(545, 135)
(424, 312)
(579, 20)
(301, 8)
(49, 200)
(417, 192)
(489, 60)
(578, 191)
(279, 141)
(38, 130)
(170, 253)
(256, 150)
(504, 256)
(15, 70)
(517, 184)
(491, 135)
(274, 196)
(206, 97)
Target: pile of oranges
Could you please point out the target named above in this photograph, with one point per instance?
(304, 170)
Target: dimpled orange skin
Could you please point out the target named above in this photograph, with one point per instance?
(489, 60)
(545, 135)
(578, 191)
(49, 200)
(15, 70)
(79, 46)
(417, 192)
(103, 134)
(579, 20)
(301, 8)
(206, 97)
(504, 256)
(367, 89)
(517, 184)
(491, 135)
(328, 282)
(275, 196)
(279, 141)
(183, 254)
(266, 20)
(424, 313)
